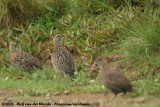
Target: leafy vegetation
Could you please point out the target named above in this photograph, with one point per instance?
(92, 28)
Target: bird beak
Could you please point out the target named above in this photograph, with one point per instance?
(63, 36)
(16, 44)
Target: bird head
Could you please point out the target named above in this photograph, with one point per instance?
(100, 61)
(12, 47)
(57, 39)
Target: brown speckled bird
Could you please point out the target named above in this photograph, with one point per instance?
(23, 60)
(61, 58)
(112, 78)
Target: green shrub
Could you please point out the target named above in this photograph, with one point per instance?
(140, 45)
(141, 39)
(17, 12)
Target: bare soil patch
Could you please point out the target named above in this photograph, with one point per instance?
(93, 100)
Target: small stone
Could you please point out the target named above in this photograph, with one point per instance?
(156, 80)
(47, 98)
(91, 81)
(141, 100)
(115, 59)
(95, 103)
(56, 93)
(48, 95)
(67, 92)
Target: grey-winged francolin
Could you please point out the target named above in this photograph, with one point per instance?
(23, 60)
(61, 58)
(112, 78)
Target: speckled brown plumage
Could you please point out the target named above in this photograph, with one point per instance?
(23, 60)
(61, 58)
(112, 78)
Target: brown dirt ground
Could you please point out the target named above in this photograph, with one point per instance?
(94, 100)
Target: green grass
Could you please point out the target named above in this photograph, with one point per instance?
(139, 45)
(49, 81)
(46, 81)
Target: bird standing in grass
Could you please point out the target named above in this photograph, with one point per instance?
(61, 58)
(112, 78)
(23, 60)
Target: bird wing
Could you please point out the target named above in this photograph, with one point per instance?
(118, 79)
(25, 60)
(62, 59)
